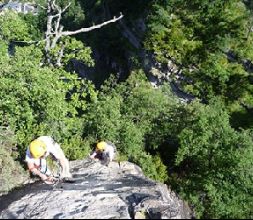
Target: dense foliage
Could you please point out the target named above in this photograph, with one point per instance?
(8, 166)
(203, 149)
(39, 100)
(217, 163)
(210, 41)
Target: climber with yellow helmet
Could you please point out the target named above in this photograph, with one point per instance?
(36, 155)
(105, 152)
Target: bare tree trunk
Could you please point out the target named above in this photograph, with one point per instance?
(55, 31)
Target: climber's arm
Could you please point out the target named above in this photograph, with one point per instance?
(32, 168)
(59, 155)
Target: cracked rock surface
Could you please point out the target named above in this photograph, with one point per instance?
(119, 191)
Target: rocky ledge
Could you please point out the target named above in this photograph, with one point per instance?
(119, 191)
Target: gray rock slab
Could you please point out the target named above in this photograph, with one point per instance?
(119, 191)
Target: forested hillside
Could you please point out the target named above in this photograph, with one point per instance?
(79, 71)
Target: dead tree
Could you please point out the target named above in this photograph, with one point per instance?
(55, 31)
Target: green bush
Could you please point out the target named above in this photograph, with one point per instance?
(216, 163)
(42, 101)
(125, 114)
(11, 172)
(152, 167)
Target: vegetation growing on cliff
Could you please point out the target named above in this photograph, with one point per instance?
(204, 149)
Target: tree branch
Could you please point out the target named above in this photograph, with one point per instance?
(65, 9)
(55, 31)
(82, 30)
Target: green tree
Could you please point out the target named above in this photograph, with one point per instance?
(125, 114)
(38, 100)
(13, 28)
(216, 164)
(42, 101)
(208, 40)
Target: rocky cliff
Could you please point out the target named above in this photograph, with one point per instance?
(119, 191)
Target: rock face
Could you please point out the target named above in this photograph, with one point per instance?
(119, 191)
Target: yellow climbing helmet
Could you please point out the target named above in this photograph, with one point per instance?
(38, 148)
(101, 145)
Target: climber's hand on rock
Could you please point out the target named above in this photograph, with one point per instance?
(49, 180)
(43, 177)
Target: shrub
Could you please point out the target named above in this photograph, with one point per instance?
(11, 172)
